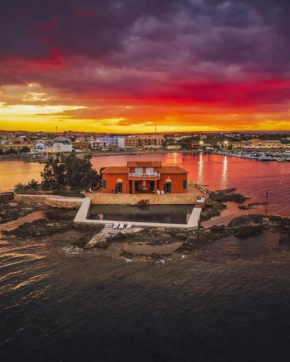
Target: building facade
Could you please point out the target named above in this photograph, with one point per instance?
(129, 142)
(111, 140)
(81, 145)
(61, 144)
(15, 144)
(257, 144)
(99, 144)
(144, 177)
(150, 140)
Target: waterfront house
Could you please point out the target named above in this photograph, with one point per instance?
(144, 177)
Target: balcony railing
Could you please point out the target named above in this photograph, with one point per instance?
(152, 174)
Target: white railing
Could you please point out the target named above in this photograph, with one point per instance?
(154, 174)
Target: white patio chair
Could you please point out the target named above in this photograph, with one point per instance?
(162, 192)
(115, 225)
(121, 226)
(158, 192)
(129, 226)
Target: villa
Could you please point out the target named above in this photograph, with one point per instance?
(143, 178)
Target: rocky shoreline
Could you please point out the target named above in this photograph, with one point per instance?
(10, 211)
(57, 225)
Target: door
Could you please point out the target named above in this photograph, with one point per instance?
(119, 188)
(136, 186)
(167, 187)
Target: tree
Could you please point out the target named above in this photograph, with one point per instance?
(11, 151)
(53, 173)
(32, 185)
(69, 171)
(25, 149)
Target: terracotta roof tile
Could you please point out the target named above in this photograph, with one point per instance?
(173, 170)
(144, 163)
(115, 170)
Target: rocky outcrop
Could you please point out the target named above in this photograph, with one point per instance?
(211, 209)
(246, 220)
(227, 195)
(249, 230)
(39, 228)
(12, 211)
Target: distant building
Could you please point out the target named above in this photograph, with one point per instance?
(99, 144)
(81, 145)
(129, 142)
(111, 140)
(39, 147)
(144, 177)
(200, 145)
(173, 147)
(15, 143)
(60, 145)
(144, 141)
(256, 144)
(150, 140)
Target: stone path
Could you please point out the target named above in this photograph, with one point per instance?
(108, 232)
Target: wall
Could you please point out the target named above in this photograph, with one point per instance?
(112, 180)
(128, 199)
(6, 196)
(176, 184)
(31, 199)
(55, 201)
(63, 203)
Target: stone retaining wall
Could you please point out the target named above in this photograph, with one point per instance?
(31, 199)
(54, 201)
(6, 196)
(63, 204)
(128, 199)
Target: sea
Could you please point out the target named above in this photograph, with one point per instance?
(227, 301)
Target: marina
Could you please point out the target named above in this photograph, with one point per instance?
(264, 156)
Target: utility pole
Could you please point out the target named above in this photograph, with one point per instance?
(155, 128)
(56, 129)
(267, 205)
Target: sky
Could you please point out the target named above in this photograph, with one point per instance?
(125, 66)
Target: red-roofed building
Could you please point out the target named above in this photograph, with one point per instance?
(144, 177)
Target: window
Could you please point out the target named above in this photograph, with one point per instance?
(149, 170)
(185, 185)
(104, 184)
(138, 171)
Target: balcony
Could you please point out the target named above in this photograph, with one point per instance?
(143, 176)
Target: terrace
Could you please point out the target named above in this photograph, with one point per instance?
(143, 176)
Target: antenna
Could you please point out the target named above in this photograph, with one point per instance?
(56, 129)
(155, 128)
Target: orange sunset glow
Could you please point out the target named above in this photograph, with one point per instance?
(125, 67)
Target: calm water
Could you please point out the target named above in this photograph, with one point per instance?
(227, 302)
(251, 178)
(172, 214)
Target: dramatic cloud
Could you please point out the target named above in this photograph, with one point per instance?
(181, 64)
